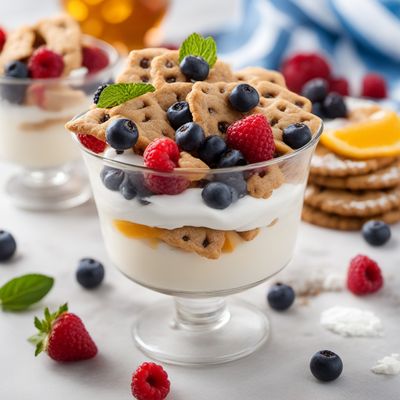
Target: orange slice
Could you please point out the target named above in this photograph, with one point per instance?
(377, 136)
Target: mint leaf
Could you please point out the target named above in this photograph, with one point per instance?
(19, 293)
(197, 45)
(118, 93)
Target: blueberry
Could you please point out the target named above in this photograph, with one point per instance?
(326, 365)
(297, 135)
(231, 158)
(179, 114)
(8, 246)
(90, 273)
(137, 184)
(15, 92)
(335, 106)
(195, 68)
(189, 137)
(316, 90)
(318, 110)
(98, 92)
(244, 97)
(112, 178)
(122, 134)
(280, 297)
(234, 180)
(376, 233)
(16, 69)
(212, 149)
(217, 195)
(127, 188)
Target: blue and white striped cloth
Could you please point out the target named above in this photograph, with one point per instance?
(357, 36)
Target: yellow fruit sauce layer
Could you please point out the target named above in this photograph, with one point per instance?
(152, 235)
(377, 136)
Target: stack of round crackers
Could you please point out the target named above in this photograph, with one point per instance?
(344, 193)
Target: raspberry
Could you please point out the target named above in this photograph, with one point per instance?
(339, 85)
(364, 275)
(45, 63)
(374, 85)
(253, 137)
(302, 67)
(165, 184)
(3, 38)
(94, 59)
(162, 155)
(150, 382)
(92, 143)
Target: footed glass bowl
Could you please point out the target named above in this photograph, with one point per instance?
(33, 113)
(179, 246)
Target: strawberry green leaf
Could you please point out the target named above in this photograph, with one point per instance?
(20, 293)
(197, 45)
(119, 93)
(44, 327)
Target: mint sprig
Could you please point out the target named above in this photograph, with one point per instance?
(118, 93)
(21, 292)
(197, 45)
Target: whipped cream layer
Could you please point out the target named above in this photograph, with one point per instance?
(188, 209)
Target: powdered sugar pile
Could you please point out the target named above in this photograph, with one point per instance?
(389, 365)
(351, 322)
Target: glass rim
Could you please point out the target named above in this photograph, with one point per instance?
(190, 171)
(111, 51)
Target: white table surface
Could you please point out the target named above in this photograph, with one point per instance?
(52, 243)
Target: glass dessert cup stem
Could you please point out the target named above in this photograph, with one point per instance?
(49, 188)
(200, 331)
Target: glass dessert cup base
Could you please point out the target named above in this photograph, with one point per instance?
(49, 189)
(200, 331)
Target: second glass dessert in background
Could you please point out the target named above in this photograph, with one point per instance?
(50, 72)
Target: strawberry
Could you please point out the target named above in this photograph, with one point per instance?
(253, 137)
(63, 336)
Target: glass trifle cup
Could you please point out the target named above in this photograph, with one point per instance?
(177, 245)
(33, 113)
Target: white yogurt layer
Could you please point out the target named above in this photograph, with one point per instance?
(48, 145)
(172, 270)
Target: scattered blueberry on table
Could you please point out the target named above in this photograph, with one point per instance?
(8, 245)
(280, 296)
(90, 273)
(376, 233)
(326, 366)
